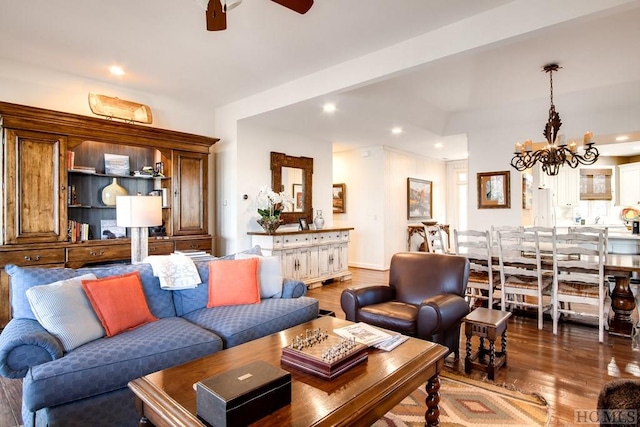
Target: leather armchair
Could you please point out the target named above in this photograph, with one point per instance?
(424, 299)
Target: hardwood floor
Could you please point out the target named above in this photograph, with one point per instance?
(567, 370)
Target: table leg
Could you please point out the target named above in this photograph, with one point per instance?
(504, 347)
(491, 369)
(432, 415)
(622, 303)
(467, 359)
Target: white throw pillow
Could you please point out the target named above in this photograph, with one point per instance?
(64, 310)
(269, 275)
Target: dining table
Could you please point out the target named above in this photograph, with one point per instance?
(623, 302)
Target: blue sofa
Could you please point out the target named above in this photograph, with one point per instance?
(88, 385)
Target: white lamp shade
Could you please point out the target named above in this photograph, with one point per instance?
(138, 211)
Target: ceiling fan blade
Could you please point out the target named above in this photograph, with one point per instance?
(300, 6)
(216, 18)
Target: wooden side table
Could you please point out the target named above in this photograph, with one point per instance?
(486, 323)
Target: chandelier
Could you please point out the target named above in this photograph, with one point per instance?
(556, 153)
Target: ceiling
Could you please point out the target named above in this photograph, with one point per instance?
(165, 49)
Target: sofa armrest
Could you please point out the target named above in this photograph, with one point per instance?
(450, 309)
(25, 343)
(293, 288)
(352, 299)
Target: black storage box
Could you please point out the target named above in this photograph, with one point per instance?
(242, 395)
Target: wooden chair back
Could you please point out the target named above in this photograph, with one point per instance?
(476, 246)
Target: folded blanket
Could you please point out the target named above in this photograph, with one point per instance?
(175, 271)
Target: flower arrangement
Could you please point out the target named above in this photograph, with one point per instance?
(270, 205)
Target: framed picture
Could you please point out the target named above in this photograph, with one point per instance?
(419, 199)
(527, 191)
(109, 230)
(296, 192)
(116, 164)
(303, 224)
(494, 190)
(339, 198)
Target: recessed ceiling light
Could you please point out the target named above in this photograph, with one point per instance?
(622, 138)
(116, 70)
(396, 130)
(438, 145)
(329, 108)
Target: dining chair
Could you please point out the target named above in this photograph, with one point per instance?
(483, 275)
(610, 279)
(579, 260)
(435, 241)
(495, 229)
(522, 275)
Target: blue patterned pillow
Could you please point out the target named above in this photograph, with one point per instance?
(24, 278)
(64, 310)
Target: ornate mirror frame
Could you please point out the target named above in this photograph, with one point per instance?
(281, 160)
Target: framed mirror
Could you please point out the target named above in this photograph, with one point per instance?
(293, 175)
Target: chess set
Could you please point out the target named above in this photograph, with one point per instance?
(318, 353)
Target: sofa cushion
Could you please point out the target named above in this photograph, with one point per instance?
(119, 302)
(188, 300)
(160, 301)
(269, 275)
(241, 323)
(24, 278)
(64, 310)
(108, 364)
(233, 282)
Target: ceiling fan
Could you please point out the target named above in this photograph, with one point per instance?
(217, 10)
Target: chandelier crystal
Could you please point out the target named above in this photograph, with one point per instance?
(556, 153)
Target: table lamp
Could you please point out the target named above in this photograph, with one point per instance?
(139, 213)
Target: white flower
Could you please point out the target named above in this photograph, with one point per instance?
(270, 203)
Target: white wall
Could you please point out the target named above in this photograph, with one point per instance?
(255, 143)
(376, 182)
(44, 88)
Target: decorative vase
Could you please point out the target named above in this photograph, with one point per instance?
(111, 191)
(318, 221)
(270, 225)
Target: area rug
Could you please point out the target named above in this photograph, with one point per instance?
(465, 402)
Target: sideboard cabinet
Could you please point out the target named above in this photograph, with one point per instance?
(311, 256)
(42, 195)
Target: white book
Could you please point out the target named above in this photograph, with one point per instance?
(363, 333)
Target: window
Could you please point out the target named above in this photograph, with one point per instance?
(595, 184)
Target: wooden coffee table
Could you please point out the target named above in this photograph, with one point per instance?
(360, 396)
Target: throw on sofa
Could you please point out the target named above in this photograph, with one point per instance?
(87, 385)
(424, 299)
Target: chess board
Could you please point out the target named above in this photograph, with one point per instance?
(310, 358)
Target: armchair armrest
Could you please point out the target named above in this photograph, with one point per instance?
(352, 299)
(25, 343)
(293, 288)
(450, 309)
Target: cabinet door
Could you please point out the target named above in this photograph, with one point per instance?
(340, 257)
(568, 187)
(189, 182)
(289, 261)
(629, 184)
(325, 252)
(36, 182)
(304, 263)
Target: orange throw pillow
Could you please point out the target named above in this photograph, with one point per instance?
(233, 282)
(119, 302)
